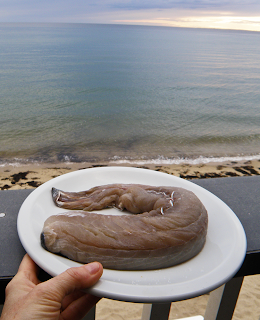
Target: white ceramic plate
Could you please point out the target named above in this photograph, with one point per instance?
(219, 260)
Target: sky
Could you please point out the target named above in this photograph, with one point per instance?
(224, 14)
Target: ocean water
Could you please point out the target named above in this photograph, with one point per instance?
(86, 92)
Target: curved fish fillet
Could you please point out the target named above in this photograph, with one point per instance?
(169, 226)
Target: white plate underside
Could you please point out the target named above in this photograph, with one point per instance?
(219, 260)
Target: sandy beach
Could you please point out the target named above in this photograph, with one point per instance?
(248, 307)
(33, 175)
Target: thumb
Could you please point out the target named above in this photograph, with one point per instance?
(77, 278)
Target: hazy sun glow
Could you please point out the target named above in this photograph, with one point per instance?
(215, 22)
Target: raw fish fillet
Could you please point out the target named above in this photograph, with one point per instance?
(168, 226)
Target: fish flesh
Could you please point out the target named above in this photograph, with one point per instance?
(168, 226)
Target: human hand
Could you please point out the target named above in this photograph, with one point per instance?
(58, 298)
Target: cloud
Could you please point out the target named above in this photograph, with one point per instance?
(225, 5)
(163, 4)
(185, 13)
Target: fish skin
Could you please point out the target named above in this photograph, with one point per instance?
(168, 227)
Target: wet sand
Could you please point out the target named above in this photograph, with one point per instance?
(248, 306)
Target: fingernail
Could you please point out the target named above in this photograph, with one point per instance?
(92, 267)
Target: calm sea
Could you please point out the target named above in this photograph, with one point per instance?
(85, 92)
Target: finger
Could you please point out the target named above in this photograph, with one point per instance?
(29, 269)
(27, 263)
(71, 297)
(74, 296)
(80, 307)
(77, 278)
(24, 281)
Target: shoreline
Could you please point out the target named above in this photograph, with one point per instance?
(28, 176)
